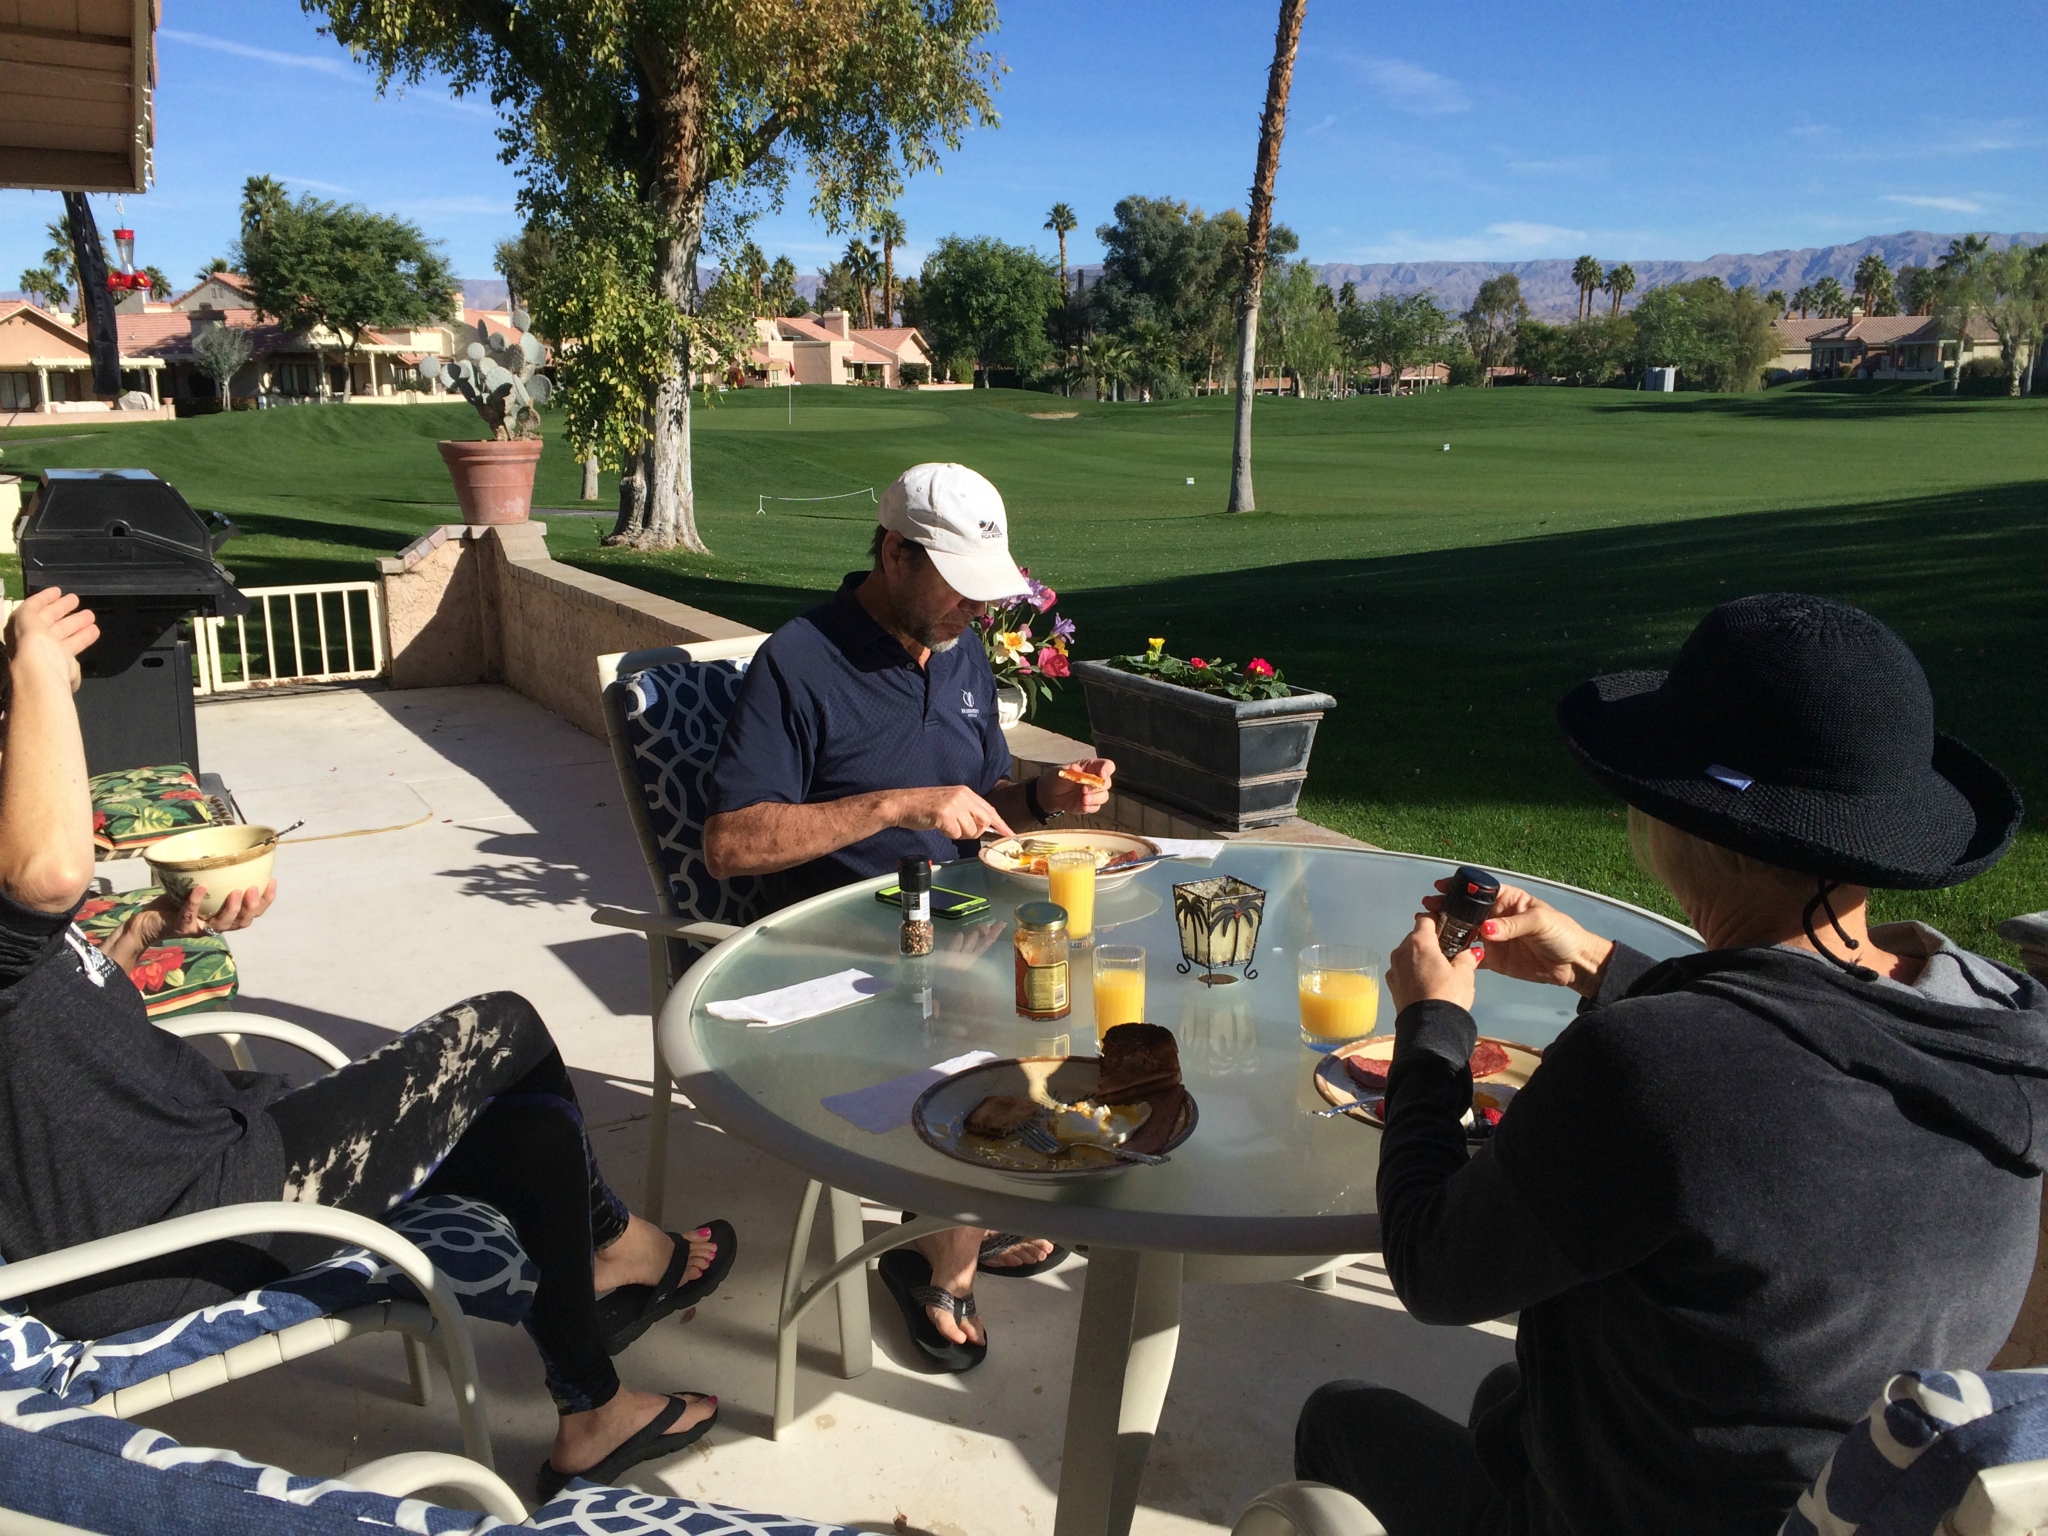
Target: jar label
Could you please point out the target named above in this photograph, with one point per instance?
(1045, 988)
(917, 906)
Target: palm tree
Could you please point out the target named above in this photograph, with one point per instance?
(1831, 299)
(1060, 221)
(863, 267)
(887, 227)
(1258, 240)
(1586, 273)
(1805, 299)
(1776, 300)
(1109, 362)
(1621, 282)
(1873, 272)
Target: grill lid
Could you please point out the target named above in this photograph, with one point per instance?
(126, 533)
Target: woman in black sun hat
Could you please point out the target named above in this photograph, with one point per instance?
(1749, 1184)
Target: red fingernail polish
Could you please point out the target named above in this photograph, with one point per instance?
(1487, 927)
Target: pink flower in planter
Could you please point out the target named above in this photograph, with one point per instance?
(1197, 663)
(1258, 666)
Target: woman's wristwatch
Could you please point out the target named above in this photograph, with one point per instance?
(1036, 806)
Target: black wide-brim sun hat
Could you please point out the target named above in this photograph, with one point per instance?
(1801, 732)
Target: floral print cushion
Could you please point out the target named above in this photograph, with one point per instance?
(139, 806)
(177, 976)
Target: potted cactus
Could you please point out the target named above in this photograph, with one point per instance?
(494, 478)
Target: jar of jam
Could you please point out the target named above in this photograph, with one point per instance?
(1042, 986)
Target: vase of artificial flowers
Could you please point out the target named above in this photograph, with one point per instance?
(1227, 743)
(1027, 650)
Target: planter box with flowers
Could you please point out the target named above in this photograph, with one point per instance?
(1228, 744)
(1027, 669)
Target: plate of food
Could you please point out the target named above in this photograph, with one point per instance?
(1356, 1075)
(1117, 856)
(1059, 1119)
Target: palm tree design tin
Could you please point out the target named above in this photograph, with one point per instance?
(1219, 921)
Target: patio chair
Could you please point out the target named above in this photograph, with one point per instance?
(665, 712)
(1306, 1509)
(70, 1472)
(419, 1273)
(1941, 1453)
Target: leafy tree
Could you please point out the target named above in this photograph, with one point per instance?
(2012, 287)
(1539, 346)
(1258, 246)
(1392, 331)
(520, 262)
(221, 350)
(888, 228)
(987, 300)
(1497, 308)
(839, 287)
(1718, 336)
(1586, 273)
(312, 264)
(46, 287)
(1061, 222)
(1620, 282)
(1915, 287)
(1300, 331)
(688, 111)
(1959, 292)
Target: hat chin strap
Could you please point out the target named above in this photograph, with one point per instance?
(1820, 903)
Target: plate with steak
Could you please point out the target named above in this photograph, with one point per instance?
(1118, 856)
(1357, 1075)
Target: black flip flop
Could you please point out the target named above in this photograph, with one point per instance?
(651, 1442)
(909, 1279)
(630, 1310)
(996, 1242)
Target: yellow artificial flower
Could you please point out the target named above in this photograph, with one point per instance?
(1013, 641)
(1059, 645)
(1157, 646)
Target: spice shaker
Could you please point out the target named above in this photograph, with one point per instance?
(914, 890)
(1042, 989)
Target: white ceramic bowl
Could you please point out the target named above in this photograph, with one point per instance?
(1008, 855)
(223, 859)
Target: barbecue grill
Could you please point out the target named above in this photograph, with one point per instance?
(141, 558)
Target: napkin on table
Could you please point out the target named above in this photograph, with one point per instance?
(886, 1106)
(805, 1000)
(1189, 847)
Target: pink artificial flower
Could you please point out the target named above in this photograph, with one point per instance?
(1052, 663)
(1197, 662)
(1258, 666)
(1043, 597)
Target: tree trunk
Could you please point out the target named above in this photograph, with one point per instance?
(590, 478)
(670, 498)
(632, 500)
(1258, 236)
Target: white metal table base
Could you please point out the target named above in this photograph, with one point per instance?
(1123, 1363)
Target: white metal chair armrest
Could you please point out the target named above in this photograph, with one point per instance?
(410, 1471)
(1306, 1509)
(2003, 1501)
(654, 925)
(259, 1027)
(259, 1217)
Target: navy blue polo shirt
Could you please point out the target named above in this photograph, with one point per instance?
(834, 706)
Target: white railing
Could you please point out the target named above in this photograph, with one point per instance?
(328, 632)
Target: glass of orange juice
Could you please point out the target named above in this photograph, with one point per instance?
(1340, 995)
(1119, 986)
(1071, 875)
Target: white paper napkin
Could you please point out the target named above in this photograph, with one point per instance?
(1189, 847)
(805, 1000)
(887, 1106)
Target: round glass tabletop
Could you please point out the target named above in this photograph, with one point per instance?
(1260, 1175)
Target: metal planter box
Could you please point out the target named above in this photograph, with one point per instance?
(1238, 764)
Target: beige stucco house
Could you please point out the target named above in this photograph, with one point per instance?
(46, 370)
(1873, 347)
(830, 349)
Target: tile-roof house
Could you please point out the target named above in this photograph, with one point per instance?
(1873, 346)
(830, 349)
(45, 368)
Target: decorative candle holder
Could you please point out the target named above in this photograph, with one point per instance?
(1218, 920)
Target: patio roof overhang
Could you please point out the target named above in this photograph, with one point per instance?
(77, 96)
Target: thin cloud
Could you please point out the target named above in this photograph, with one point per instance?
(1513, 240)
(1570, 165)
(340, 69)
(1413, 88)
(1945, 204)
(319, 186)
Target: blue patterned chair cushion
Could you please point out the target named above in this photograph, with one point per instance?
(670, 720)
(469, 1243)
(1908, 1462)
(114, 1477)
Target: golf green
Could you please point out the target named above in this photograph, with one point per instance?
(1446, 595)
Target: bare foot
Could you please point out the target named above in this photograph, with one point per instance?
(1026, 1250)
(585, 1439)
(642, 1252)
(954, 1255)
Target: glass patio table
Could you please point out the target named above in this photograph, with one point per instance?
(1263, 1186)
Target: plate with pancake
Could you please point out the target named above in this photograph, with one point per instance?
(1130, 1097)
(1356, 1075)
(1118, 856)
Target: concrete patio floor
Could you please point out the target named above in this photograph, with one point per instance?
(455, 842)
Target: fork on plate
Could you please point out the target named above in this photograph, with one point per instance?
(1039, 1138)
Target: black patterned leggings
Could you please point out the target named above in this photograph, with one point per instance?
(474, 1102)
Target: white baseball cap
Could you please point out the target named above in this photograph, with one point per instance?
(957, 516)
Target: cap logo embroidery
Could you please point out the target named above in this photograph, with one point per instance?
(991, 529)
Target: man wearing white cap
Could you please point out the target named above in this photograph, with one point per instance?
(866, 733)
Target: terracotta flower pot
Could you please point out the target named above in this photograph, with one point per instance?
(493, 480)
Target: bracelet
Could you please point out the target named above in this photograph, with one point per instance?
(1037, 808)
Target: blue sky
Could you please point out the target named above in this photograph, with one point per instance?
(1470, 131)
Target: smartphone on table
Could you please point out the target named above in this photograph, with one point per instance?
(948, 904)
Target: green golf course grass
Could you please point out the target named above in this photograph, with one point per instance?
(1447, 598)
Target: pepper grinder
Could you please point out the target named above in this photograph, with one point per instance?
(914, 890)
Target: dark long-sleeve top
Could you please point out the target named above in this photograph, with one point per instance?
(1743, 1189)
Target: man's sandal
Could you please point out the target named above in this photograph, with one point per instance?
(652, 1442)
(908, 1275)
(996, 1242)
(630, 1310)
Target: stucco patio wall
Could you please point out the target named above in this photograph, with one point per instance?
(487, 605)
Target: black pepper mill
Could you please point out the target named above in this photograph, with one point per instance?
(1467, 904)
(914, 890)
